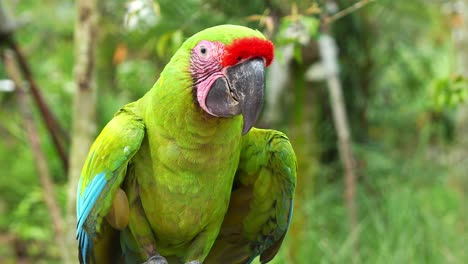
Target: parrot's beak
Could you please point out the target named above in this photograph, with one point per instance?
(240, 92)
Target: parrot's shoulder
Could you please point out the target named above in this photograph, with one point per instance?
(269, 148)
(118, 140)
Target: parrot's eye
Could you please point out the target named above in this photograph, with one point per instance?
(203, 50)
(208, 51)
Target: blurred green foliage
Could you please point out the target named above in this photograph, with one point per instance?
(402, 95)
(449, 92)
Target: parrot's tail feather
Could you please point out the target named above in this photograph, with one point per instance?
(83, 245)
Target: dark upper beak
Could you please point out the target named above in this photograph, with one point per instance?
(240, 92)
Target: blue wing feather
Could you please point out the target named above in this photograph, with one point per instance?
(84, 204)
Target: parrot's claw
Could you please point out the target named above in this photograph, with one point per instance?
(193, 262)
(156, 259)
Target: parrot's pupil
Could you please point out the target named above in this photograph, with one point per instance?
(203, 50)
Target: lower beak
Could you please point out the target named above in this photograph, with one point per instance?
(240, 92)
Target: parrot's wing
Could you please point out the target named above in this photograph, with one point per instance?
(261, 201)
(103, 173)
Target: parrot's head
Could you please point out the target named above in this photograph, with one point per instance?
(227, 66)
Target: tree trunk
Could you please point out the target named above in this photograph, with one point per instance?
(84, 106)
(328, 53)
(7, 25)
(42, 167)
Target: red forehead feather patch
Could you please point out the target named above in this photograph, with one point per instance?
(248, 48)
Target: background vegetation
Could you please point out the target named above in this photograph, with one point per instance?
(405, 90)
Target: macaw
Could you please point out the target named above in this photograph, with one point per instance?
(181, 175)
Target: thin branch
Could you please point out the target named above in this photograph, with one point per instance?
(56, 131)
(346, 11)
(39, 156)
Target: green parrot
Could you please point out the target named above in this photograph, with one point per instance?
(181, 175)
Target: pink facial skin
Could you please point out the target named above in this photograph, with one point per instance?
(206, 67)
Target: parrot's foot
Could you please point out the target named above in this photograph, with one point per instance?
(156, 259)
(193, 262)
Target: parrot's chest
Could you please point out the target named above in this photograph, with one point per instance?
(186, 189)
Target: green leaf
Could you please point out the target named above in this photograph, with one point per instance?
(312, 24)
(298, 53)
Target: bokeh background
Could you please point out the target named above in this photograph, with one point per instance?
(401, 68)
